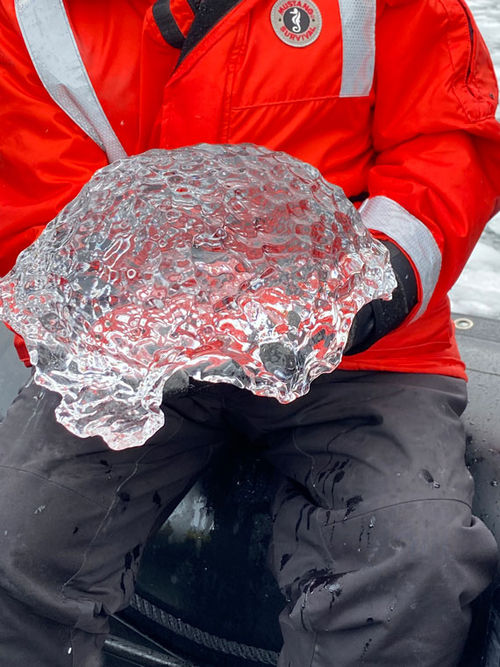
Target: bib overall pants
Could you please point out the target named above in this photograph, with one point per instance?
(374, 545)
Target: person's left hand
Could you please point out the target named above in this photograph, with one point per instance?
(380, 317)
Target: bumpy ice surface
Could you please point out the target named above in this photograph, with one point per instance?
(227, 263)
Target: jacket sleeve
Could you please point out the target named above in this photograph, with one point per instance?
(435, 181)
(44, 158)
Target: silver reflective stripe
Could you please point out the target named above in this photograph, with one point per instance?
(358, 46)
(382, 214)
(51, 44)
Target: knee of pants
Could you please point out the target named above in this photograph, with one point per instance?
(445, 549)
(44, 532)
(416, 555)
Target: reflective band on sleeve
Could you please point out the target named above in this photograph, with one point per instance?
(358, 46)
(384, 215)
(51, 44)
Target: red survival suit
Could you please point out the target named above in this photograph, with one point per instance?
(394, 100)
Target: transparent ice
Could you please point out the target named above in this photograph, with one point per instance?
(227, 263)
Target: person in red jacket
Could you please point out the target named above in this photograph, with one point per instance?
(393, 100)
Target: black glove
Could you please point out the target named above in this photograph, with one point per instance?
(379, 317)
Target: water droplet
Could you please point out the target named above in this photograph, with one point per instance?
(426, 475)
(334, 588)
(494, 482)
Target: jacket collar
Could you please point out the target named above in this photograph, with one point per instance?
(207, 13)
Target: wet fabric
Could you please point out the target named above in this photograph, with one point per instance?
(374, 546)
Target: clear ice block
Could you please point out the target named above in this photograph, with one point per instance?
(227, 263)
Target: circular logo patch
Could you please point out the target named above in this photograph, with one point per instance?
(296, 22)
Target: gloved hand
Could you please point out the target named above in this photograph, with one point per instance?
(379, 317)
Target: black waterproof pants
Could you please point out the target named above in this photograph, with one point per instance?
(374, 545)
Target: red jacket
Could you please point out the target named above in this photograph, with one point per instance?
(394, 100)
